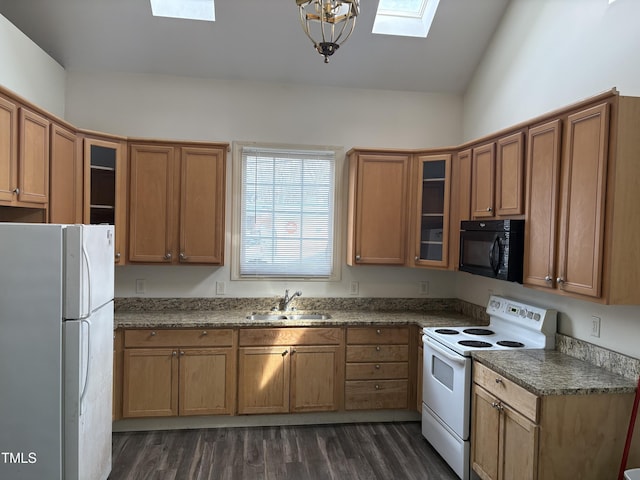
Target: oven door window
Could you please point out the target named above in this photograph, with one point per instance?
(443, 372)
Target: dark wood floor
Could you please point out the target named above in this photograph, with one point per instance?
(343, 452)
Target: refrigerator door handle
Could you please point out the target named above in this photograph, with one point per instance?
(86, 375)
(86, 259)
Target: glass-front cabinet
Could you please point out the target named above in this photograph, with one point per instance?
(432, 219)
(105, 194)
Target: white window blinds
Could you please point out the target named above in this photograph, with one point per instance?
(287, 212)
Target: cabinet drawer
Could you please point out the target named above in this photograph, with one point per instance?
(369, 371)
(179, 337)
(377, 353)
(378, 335)
(376, 394)
(290, 336)
(506, 391)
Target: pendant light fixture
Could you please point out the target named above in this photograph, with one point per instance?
(328, 23)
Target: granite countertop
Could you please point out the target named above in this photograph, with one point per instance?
(549, 372)
(238, 318)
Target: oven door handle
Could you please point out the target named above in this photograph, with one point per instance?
(435, 347)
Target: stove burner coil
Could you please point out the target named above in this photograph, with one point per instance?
(510, 343)
(446, 331)
(474, 343)
(478, 331)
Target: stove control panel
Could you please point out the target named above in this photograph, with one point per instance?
(522, 313)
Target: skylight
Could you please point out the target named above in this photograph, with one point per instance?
(189, 9)
(407, 18)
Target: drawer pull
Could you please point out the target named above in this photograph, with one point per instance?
(498, 380)
(379, 332)
(285, 353)
(153, 334)
(378, 348)
(204, 332)
(378, 366)
(377, 387)
(498, 406)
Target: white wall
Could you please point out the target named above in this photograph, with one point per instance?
(214, 110)
(547, 54)
(29, 71)
(550, 53)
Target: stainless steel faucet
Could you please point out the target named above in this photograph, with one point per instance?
(284, 303)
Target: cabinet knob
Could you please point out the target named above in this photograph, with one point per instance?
(293, 350)
(377, 366)
(167, 256)
(498, 406)
(548, 279)
(416, 258)
(285, 353)
(489, 209)
(377, 387)
(174, 353)
(204, 332)
(498, 380)
(378, 332)
(378, 348)
(182, 256)
(16, 191)
(560, 280)
(153, 333)
(181, 352)
(118, 256)
(357, 258)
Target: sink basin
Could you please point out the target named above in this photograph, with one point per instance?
(288, 316)
(308, 316)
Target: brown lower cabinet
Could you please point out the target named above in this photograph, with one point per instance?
(283, 370)
(377, 369)
(179, 372)
(517, 435)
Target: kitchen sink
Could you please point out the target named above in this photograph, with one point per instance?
(288, 316)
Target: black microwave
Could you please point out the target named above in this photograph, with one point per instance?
(492, 248)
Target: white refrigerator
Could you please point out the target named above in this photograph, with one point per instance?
(56, 351)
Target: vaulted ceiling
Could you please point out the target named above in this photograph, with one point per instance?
(258, 40)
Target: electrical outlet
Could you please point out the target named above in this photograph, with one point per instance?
(354, 288)
(424, 288)
(595, 326)
(221, 288)
(140, 285)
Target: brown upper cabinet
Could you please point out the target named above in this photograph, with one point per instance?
(433, 186)
(582, 196)
(105, 195)
(378, 207)
(177, 203)
(497, 176)
(24, 156)
(66, 173)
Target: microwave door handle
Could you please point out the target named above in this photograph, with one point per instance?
(494, 256)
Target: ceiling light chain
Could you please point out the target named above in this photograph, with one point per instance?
(331, 20)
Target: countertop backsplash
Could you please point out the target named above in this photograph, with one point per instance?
(265, 304)
(608, 359)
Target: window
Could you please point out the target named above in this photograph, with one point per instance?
(187, 9)
(408, 18)
(286, 224)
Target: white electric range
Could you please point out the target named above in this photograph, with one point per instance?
(446, 395)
